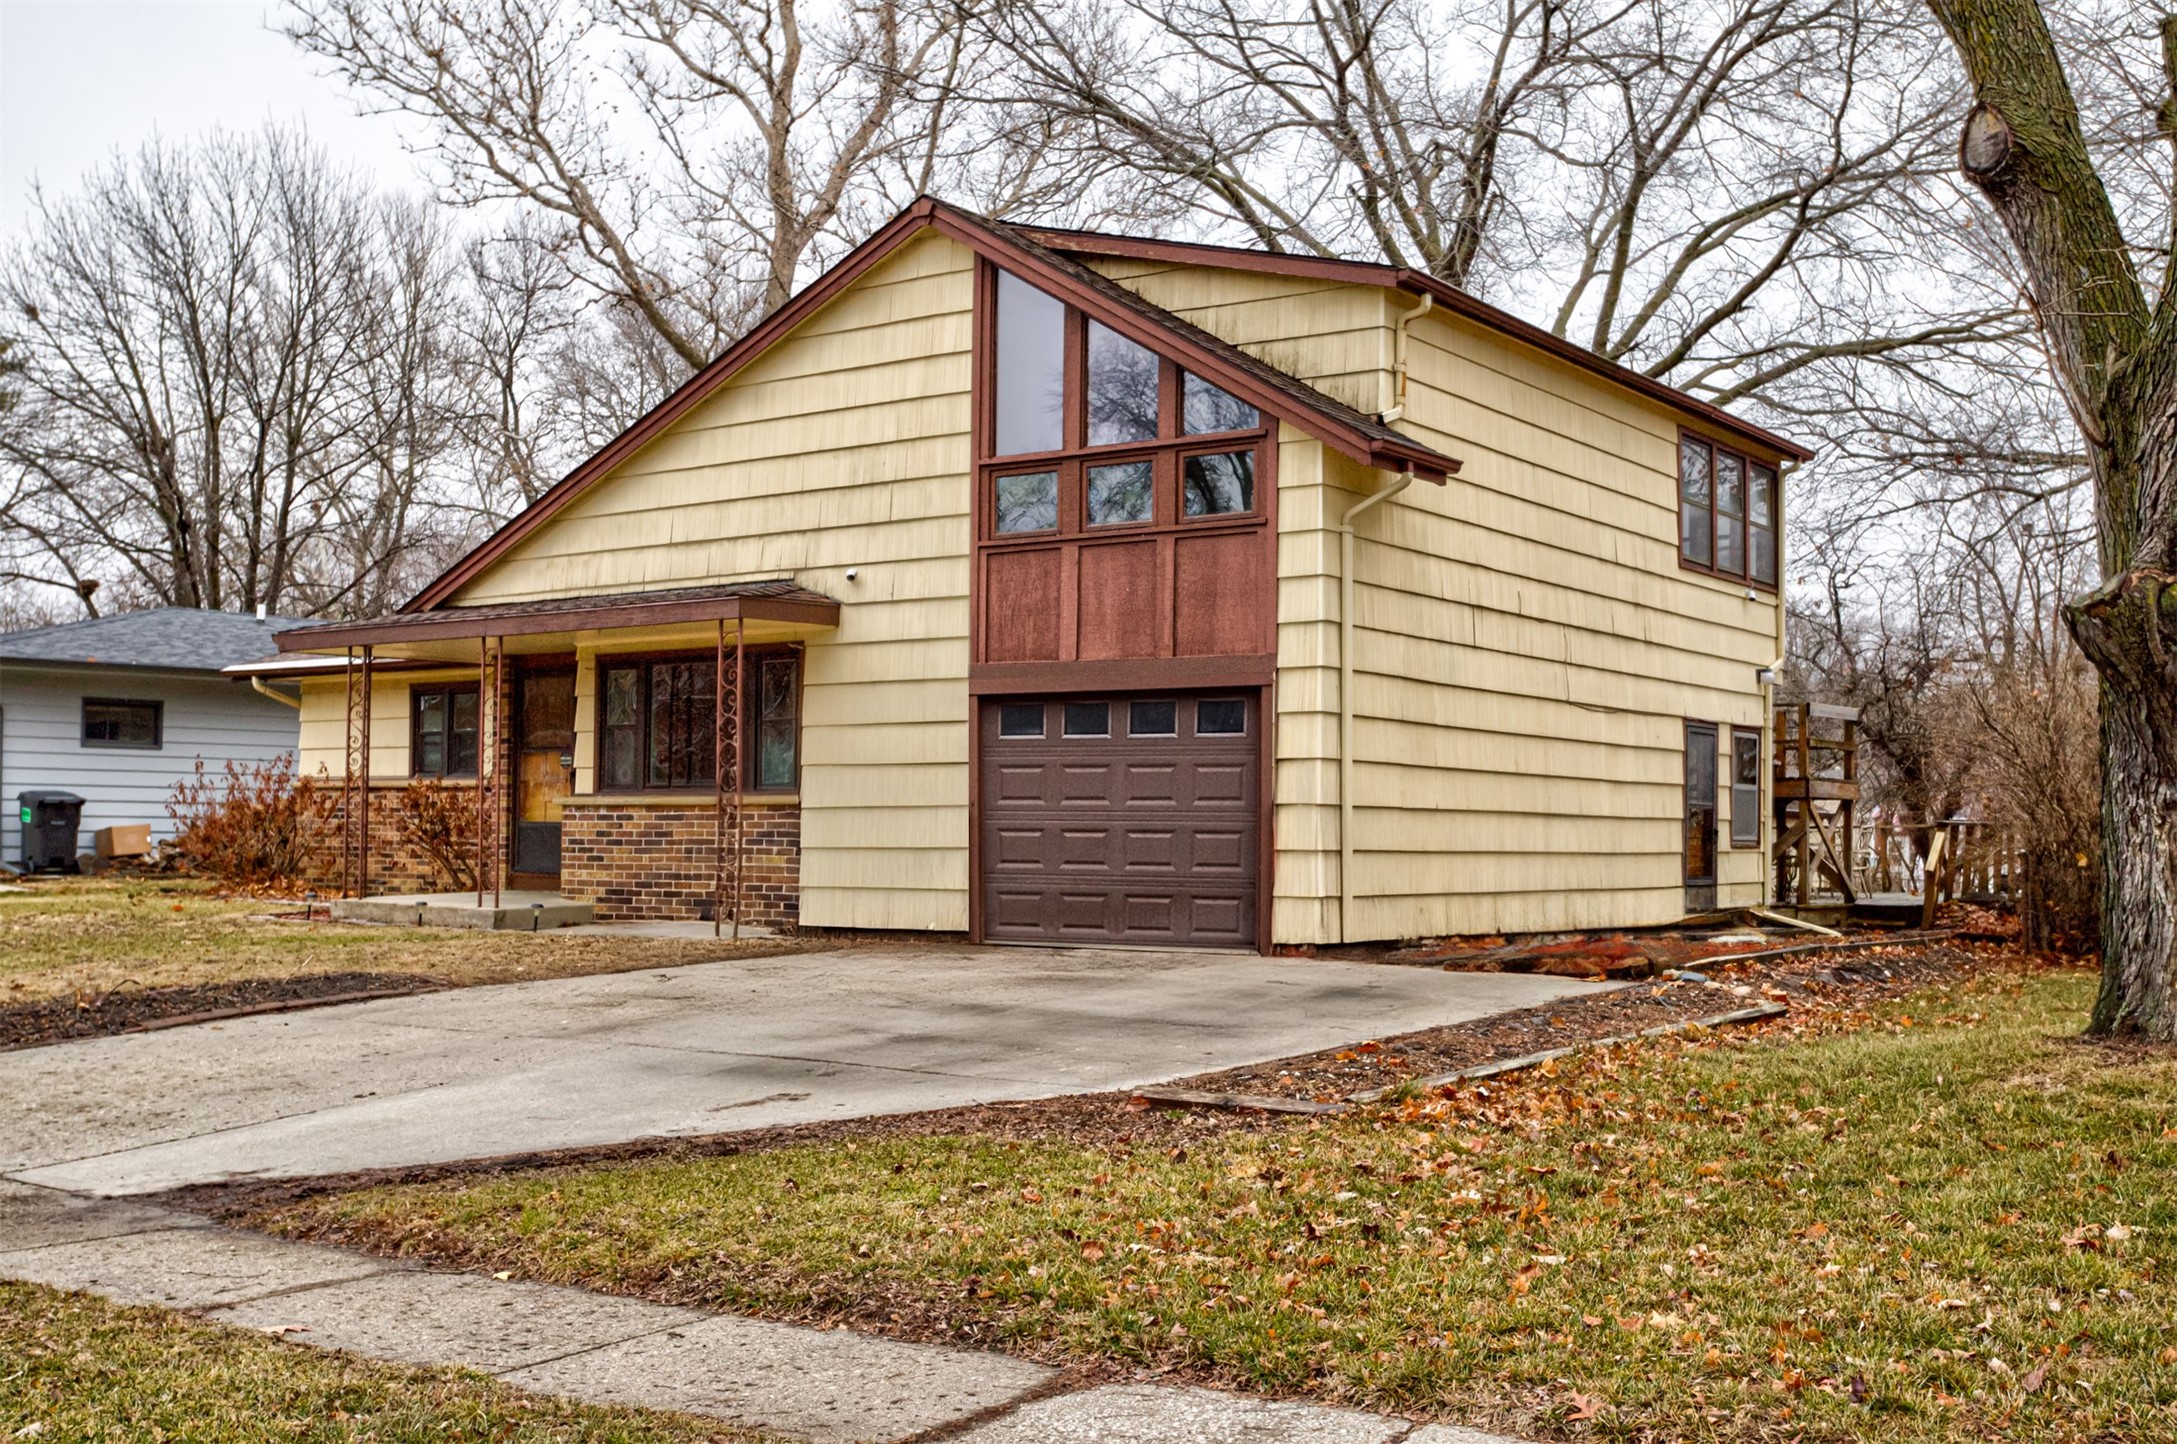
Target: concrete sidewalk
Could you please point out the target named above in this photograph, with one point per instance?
(709, 1048)
(826, 1386)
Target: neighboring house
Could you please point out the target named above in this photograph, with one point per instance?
(1034, 540)
(118, 709)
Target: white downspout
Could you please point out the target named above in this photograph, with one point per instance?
(1398, 484)
(1397, 408)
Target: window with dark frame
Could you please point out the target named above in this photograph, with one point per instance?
(1128, 424)
(1152, 719)
(655, 725)
(1729, 507)
(1745, 787)
(1220, 717)
(442, 730)
(124, 723)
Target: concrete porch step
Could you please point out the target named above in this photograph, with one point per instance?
(516, 911)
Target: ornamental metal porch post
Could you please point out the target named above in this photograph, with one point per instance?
(355, 780)
(483, 801)
(726, 777)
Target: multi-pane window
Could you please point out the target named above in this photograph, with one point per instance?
(442, 730)
(1728, 510)
(656, 723)
(1142, 442)
(114, 722)
(1745, 787)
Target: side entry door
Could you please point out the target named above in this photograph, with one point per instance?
(1700, 817)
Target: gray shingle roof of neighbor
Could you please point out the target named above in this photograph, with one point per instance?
(177, 638)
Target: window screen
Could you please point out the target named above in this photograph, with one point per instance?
(1745, 788)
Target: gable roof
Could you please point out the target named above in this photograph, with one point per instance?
(188, 639)
(1338, 425)
(1450, 297)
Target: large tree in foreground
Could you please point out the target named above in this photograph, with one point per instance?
(2114, 355)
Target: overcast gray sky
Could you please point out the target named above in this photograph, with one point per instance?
(82, 79)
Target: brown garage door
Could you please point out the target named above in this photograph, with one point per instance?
(1121, 819)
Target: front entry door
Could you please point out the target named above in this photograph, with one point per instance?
(1700, 817)
(544, 743)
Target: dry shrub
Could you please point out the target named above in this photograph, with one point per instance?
(439, 823)
(251, 824)
(2037, 736)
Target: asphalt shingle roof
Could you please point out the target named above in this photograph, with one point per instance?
(179, 638)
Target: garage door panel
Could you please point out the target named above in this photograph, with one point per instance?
(1149, 839)
(1149, 850)
(1224, 853)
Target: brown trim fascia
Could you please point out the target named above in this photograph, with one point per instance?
(1131, 674)
(1405, 278)
(453, 623)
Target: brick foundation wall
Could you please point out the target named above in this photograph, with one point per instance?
(395, 867)
(635, 862)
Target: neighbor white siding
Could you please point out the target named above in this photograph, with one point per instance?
(212, 719)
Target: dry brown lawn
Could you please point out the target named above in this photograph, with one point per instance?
(64, 938)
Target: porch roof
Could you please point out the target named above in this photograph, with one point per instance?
(779, 600)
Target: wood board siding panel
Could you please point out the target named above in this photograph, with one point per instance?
(1219, 584)
(1022, 608)
(843, 446)
(1120, 607)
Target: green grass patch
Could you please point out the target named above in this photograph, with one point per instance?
(78, 1369)
(1952, 1222)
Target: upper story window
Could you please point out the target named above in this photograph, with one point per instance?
(1109, 433)
(1728, 510)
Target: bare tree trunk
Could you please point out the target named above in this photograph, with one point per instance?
(2116, 363)
(2121, 636)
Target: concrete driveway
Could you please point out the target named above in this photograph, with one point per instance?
(702, 1049)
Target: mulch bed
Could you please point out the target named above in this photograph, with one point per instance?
(1121, 1121)
(56, 1020)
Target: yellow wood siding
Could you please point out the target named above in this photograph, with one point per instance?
(1527, 649)
(321, 750)
(843, 445)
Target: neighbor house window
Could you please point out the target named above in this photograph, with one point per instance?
(1140, 441)
(113, 722)
(442, 730)
(1728, 512)
(656, 716)
(1745, 787)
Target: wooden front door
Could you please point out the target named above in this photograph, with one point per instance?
(544, 749)
(1700, 817)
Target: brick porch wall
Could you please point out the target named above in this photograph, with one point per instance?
(641, 862)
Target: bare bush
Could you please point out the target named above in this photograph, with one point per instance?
(252, 824)
(439, 823)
